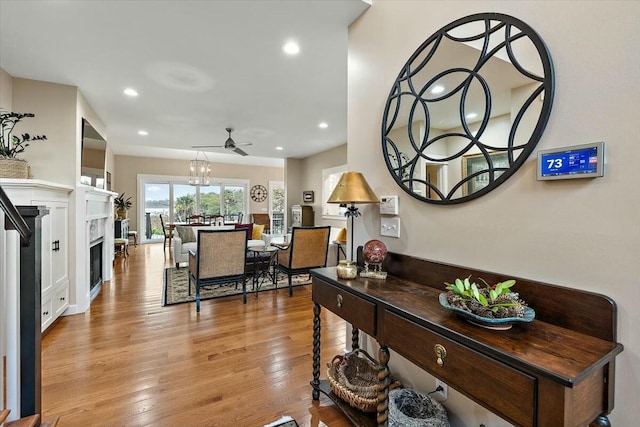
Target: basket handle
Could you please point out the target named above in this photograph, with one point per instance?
(333, 361)
(360, 351)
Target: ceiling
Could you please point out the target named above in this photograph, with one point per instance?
(198, 66)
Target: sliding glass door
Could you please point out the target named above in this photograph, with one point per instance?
(176, 200)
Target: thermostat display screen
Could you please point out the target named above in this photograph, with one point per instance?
(581, 161)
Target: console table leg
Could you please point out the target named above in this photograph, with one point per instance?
(601, 421)
(383, 386)
(315, 394)
(355, 338)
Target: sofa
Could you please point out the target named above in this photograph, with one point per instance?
(181, 250)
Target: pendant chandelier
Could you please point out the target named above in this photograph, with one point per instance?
(199, 170)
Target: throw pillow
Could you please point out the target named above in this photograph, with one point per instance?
(257, 231)
(185, 233)
(248, 227)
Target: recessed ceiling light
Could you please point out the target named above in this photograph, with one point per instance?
(280, 148)
(471, 116)
(143, 132)
(437, 89)
(130, 92)
(323, 125)
(291, 48)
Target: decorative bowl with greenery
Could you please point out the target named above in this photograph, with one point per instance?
(491, 301)
(12, 145)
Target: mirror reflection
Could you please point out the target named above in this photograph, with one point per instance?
(467, 109)
(94, 150)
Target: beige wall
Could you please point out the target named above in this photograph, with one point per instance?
(54, 106)
(6, 91)
(293, 177)
(306, 174)
(579, 233)
(127, 168)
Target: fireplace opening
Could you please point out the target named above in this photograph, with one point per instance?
(95, 268)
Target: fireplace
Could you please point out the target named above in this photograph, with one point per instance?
(95, 267)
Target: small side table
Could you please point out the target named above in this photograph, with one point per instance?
(260, 263)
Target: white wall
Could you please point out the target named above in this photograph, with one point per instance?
(579, 233)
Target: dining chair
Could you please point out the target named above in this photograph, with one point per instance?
(216, 219)
(220, 259)
(168, 232)
(195, 220)
(307, 250)
(263, 219)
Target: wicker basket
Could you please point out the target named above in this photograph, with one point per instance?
(14, 168)
(354, 379)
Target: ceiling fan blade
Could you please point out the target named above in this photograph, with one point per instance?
(239, 151)
(244, 144)
(207, 146)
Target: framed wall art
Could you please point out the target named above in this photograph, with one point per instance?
(477, 164)
(307, 196)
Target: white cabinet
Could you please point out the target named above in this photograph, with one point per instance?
(55, 239)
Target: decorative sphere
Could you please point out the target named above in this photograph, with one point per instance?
(374, 252)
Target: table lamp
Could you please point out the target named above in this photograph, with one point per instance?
(352, 188)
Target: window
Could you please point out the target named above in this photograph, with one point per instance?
(330, 178)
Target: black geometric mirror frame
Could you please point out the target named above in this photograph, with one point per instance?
(403, 166)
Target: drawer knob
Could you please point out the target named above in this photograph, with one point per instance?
(339, 301)
(46, 313)
(441, 353)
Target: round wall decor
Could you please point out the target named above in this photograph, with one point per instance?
(467, 109)
(259, 193)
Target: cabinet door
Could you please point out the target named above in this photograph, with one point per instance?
(58, 212)
(55, 253)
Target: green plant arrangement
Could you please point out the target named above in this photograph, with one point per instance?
(121, 203)
(12, 145)
(491, 301)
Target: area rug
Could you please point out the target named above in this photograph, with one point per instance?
(176, 290)
(285, 421)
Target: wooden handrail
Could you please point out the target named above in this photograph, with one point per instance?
(16, 221)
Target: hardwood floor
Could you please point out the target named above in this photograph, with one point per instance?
(128, 361)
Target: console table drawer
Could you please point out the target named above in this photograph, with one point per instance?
(355, 310)
(502, 389)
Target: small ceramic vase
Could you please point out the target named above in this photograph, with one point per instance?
(347, 269)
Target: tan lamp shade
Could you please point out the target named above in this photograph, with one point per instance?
(352, 188)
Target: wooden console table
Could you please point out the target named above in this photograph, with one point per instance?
(558, 370)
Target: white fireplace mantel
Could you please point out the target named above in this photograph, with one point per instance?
(91, 205)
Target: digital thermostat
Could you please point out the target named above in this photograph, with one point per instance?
(388, 205)
(578, 161)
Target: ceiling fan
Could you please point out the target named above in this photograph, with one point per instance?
(229, 144)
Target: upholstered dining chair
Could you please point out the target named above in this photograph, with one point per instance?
(307, 250)
(168, 233)
(263, 219)
(220, 258)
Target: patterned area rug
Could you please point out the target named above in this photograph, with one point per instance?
(176, 282)
(285, 421)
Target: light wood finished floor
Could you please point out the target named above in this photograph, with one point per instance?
(129, 361)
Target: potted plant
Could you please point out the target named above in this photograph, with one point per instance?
(122, 205)
(12, 145)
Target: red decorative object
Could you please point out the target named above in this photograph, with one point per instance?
(374, 252)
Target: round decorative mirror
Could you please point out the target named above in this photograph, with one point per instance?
(467, 109)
